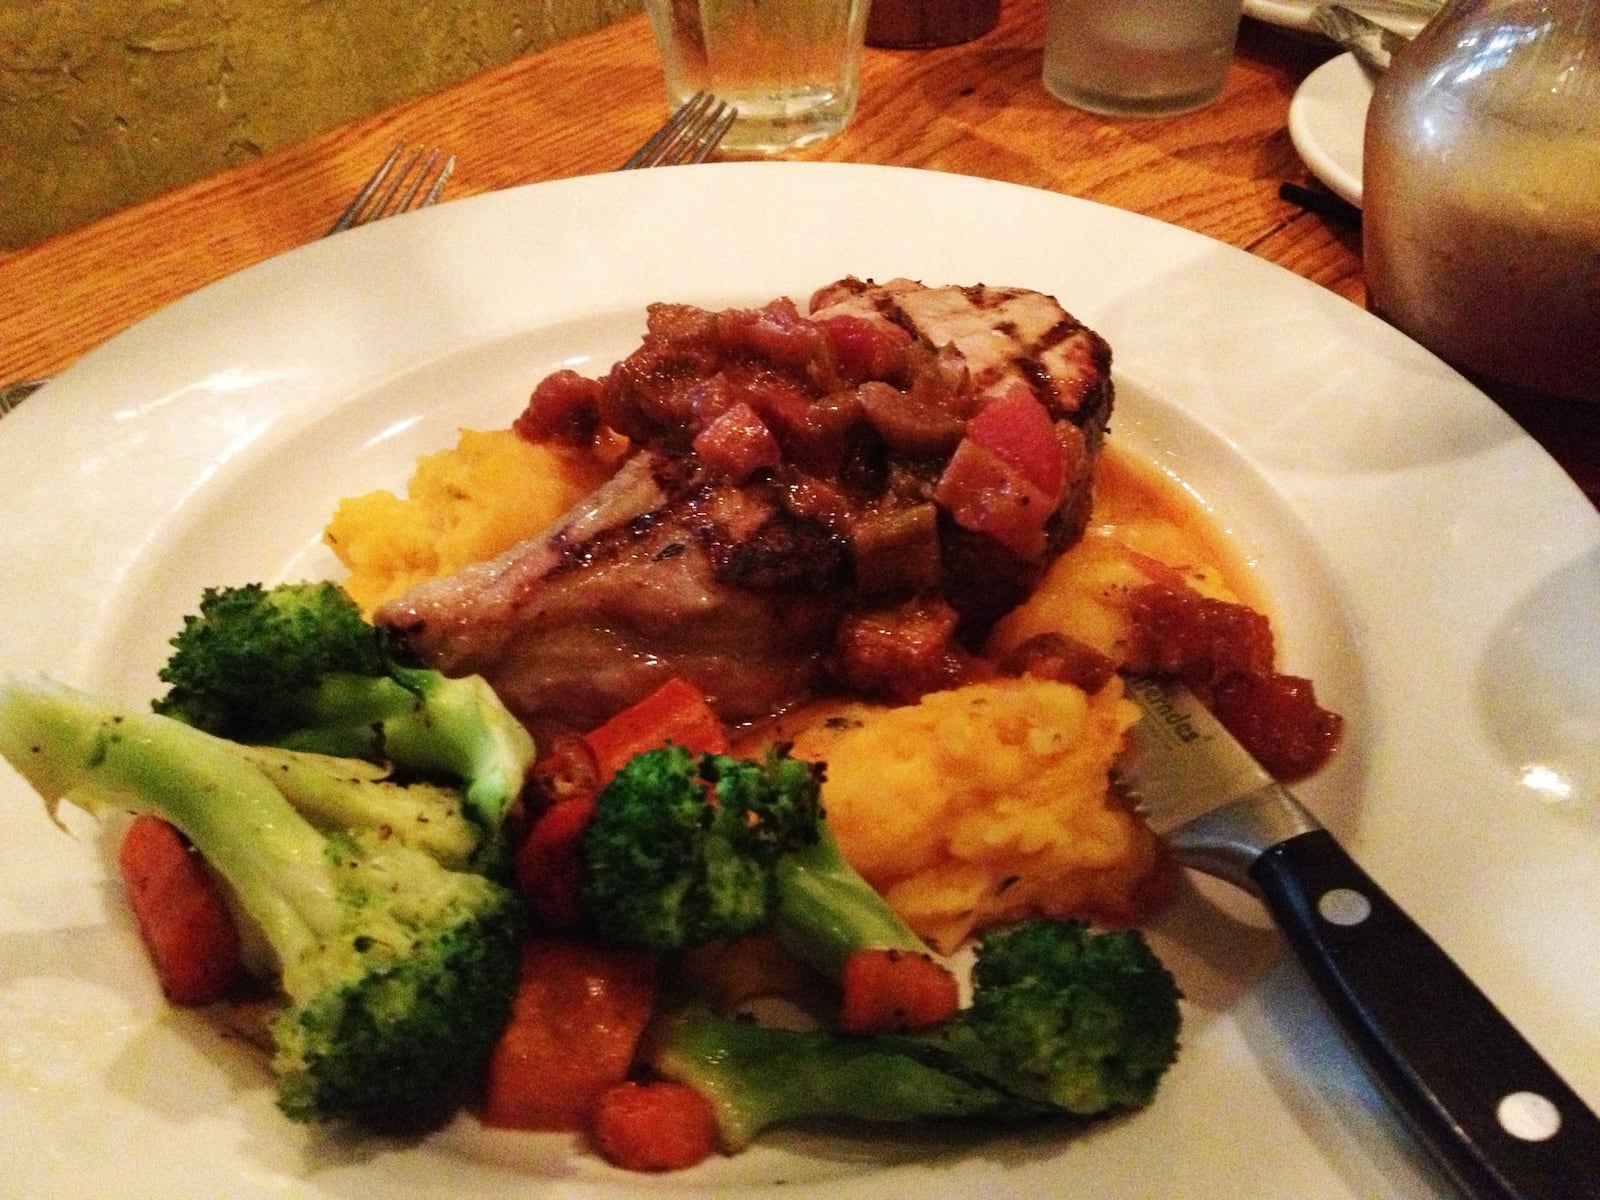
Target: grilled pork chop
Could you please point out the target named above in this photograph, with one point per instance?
(846, 497)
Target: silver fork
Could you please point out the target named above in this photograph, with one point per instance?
(421, 179)
(689, 136)
(14, 394)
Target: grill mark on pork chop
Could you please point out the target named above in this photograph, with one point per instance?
(1037, 375)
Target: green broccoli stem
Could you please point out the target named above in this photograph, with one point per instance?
(336, 793)
(463, 729)
(344, 714)
(756, 1077)
(826, 911)
(421, 720)
(100, 756)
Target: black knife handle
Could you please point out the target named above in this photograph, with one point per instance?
(1499, 1118)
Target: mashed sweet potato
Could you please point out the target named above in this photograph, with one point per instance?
(1140, 532)
(463, 505)
(987, 803)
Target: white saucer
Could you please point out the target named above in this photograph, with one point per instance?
(1328, 121)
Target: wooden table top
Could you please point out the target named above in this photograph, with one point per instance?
(582, 106)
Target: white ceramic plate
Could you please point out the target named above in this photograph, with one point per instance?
(1328, 123)
(1433, 570)
(1295, 15)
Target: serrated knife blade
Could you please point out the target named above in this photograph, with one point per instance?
(1498, 1117)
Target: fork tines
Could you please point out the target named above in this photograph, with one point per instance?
(377, 200)
(13, 394)
(689, 136)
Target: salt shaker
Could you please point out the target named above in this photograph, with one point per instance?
(1481, 193)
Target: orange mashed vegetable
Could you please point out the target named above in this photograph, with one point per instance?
(979, 805)
(1138, 515)
(986, 804)
(461, 506)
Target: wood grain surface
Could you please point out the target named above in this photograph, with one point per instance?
(582, 106)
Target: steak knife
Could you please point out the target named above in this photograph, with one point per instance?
(1501, 1121)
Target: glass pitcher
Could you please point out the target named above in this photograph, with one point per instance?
(1481, 192)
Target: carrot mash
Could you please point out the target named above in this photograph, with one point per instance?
(463, 505)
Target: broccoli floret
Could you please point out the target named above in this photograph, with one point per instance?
(1084, 1021)
(663, 867)
(296, 665)
(666, 866)
(1063, 1021)
(397, 972)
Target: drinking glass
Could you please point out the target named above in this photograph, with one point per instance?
(791, 67)
(1139, 58)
